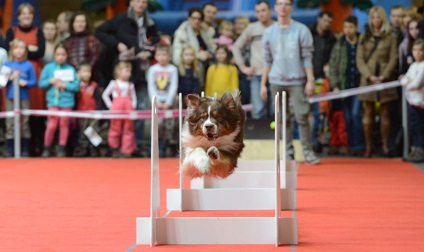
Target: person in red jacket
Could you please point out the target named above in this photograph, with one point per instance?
(86, 100)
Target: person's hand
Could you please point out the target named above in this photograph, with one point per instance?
(32, 48)
(336, 89)
(381, 78)
(310, 88)
(60, 85)
(374, 79)
(23, 83)
(14, 75)
(165, 106)
(204, 55)
(247, 70)
(144, 55)
(122, 47)
(264, 92)
(405, 80)
(54, 81)
(162, 106)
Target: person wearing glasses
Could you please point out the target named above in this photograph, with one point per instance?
(287, 50)
(191, 33)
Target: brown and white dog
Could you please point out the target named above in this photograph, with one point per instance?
(212, 135)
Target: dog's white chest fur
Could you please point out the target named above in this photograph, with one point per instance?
(212, 136)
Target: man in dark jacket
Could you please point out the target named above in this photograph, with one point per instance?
(324, 40)
(130, 36)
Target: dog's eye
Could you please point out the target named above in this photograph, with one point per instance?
(222, 121)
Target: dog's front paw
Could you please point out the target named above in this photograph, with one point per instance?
(200, 160)
(213, 152)
(202, 163)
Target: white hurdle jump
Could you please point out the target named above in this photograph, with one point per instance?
(253, 179)
(218, 230)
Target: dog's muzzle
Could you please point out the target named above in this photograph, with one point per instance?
(210, 131)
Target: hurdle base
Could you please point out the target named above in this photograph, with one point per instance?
(252, 174)
(217, 230)
(228, 199)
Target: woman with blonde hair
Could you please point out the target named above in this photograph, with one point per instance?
(34, 38)
(376, 59)
(190, 78)
(51, 36)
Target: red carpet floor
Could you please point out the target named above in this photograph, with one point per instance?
(91, 205)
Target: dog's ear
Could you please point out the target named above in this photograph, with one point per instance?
(193, 101)
(228, 100)
(237, 97)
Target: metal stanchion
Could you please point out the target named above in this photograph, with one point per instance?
(17, 117)
(405, 124)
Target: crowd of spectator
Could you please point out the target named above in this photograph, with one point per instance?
(67, 65)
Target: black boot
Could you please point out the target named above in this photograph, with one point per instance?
(94, 151)
(116, 153)
(10, 148)
(80, 152)
(61, 151)
(46, 151)
(25, 147)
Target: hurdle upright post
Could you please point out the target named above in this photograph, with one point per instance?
(17, 118)
(277, 133)
(155, 181)
(405, 124)
(180, 124)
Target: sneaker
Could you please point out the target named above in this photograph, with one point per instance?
(80, 152)
(46, 151)
(61, 151)
(116, 153)
(411, 154)
(125, 155)
(94, 151)
(333, 150)
(311, 158)
(290, 154)
(418, 155)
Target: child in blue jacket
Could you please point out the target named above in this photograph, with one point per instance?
(60, 80)
(22, 70)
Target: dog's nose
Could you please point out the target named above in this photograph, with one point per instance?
(209, 127)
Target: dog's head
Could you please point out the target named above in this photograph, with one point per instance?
(215, 118)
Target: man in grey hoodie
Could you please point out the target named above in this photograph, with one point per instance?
(252, 36)
(287, 51)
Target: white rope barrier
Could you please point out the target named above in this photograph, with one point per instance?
(7, 114)
(353, 91)
(102, 114)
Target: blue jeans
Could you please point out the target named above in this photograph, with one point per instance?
(315, 126)
(416, 125)
(142, 104)
(352, 108)
(260, 107)
(244, 88)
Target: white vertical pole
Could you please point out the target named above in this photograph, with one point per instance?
(278, 123)
(180, 121)
(154, 183)
(405, 124)
(17, 117)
